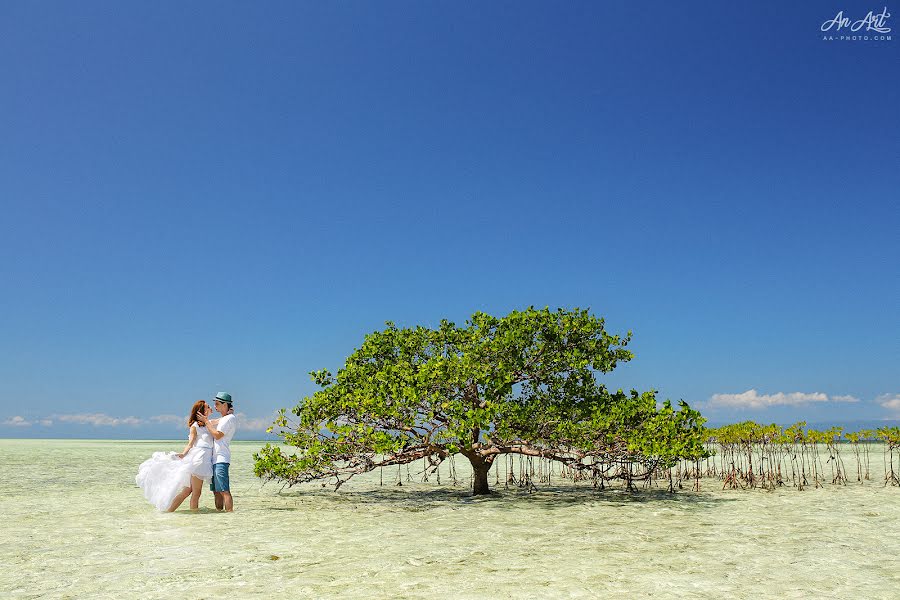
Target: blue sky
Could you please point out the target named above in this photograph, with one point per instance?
(225, 196)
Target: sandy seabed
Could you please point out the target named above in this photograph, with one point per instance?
(76, 526)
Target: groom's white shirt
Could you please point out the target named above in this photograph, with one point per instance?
(222, 451)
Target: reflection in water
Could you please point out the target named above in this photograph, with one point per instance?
(77, 526)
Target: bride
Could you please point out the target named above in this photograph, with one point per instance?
(168, 478)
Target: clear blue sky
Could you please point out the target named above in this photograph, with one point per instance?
(227, 196)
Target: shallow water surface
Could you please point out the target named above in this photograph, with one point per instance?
(76, 526)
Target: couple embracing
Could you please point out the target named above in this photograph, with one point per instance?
(167, 478)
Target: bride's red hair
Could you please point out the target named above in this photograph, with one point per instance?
(198, 407)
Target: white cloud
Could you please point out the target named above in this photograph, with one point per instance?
(889, 401)
(753, 399)
(245, 422)
(97, 420)
(168, 419)
(253, 424)
(847, 398)
(104, 420)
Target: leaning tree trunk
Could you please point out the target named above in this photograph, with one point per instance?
(480, 469)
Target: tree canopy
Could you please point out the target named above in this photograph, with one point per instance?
(521, 384)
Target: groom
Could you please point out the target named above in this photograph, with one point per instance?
(222, 434)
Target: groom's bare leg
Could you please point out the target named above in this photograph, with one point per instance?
(220, 501)
(229, 501)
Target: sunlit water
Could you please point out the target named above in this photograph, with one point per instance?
(75, 526)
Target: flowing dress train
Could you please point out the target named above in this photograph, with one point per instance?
(164, 475)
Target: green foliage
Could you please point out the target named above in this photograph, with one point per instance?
(889, 435)
(524, 383)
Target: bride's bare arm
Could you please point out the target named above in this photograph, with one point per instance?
(212, 426)
(191, 439)
(215, 422)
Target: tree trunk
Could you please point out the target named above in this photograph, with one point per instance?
(480, 468)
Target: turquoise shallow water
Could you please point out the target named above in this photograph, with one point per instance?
(76, 526)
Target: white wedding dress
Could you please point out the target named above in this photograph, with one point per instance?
(164, 475)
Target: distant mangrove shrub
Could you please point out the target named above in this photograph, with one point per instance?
(749, 455)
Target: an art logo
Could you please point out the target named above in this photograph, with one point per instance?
(872, 27)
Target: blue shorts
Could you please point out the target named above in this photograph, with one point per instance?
(219, 482)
